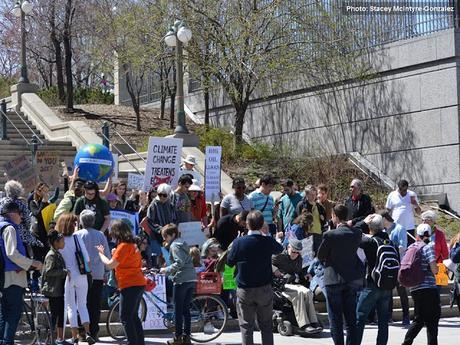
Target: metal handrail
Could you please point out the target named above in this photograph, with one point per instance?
(25, 122)
(16, 128)
(129, 145)
(122, 154)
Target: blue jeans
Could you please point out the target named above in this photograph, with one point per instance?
(369, 298)
(10, 313)
(130, 299)
(341, 303)
(183, 294)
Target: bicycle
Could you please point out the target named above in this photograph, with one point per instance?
(207, 311)
(34, 327)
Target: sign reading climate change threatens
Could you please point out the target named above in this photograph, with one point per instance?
(212, 173)
(163, 162)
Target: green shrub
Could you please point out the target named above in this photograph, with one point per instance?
(81, 96)
(5, 85)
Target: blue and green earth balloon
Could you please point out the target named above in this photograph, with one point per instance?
(95, 162)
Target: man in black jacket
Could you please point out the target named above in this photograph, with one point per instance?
(252, 254)
(359, 205)
(343, 275)
(228, 227)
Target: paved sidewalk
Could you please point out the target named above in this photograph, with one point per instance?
(449, 334)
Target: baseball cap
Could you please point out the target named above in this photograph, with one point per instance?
(423, 230)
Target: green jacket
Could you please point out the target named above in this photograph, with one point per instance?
(66, 205)
(54, 274)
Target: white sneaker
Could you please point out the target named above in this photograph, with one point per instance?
(209, 328)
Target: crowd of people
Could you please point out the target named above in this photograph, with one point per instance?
(322, 250)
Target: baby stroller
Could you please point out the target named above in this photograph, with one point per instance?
(284, 320)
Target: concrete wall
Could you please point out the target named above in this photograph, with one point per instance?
(406, 121)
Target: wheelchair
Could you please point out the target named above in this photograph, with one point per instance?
(284, 320)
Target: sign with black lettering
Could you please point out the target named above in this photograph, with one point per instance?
(212, 173)
(48, 168)
(21, 169)
(163, 162)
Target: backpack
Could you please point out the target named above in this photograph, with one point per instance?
(385, 272)
(411, 272)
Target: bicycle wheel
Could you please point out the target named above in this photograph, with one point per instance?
(115, 327)
(25, 331)
(209, 317)
(43, 327)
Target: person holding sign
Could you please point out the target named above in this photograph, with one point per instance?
(236, 202)
(160, 212)
(189, 168)
(184, 278)
(198, 205)
(181, 200)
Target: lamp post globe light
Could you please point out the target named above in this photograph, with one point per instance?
(178, 35)
(20, 10)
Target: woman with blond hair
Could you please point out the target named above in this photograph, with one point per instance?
(76, 283)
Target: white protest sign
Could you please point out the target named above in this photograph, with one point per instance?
(129, 218)
(115, 167)
(195, 175)
(135, 181)
(163, 162)
(191, 233)
(154, 318)
(212, 173)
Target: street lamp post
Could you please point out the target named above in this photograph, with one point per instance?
(176, 37)
(20, 10)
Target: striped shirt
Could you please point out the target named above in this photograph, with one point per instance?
(428, 256)
(263, 202)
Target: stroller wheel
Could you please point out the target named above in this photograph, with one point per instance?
(285, 328)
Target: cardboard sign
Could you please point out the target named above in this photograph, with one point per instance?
(48, 168)
(135, 181)
(154, 318)
(21, 169)
(191, 233)
(130, 218)
(212, 173)
(163, 162)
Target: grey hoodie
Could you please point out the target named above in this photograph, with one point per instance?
(181, 270)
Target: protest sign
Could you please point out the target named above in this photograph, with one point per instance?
(163, 162)
(21, 169)
(212, 173)
(47, 165)
(153, 318)
(48, 215)
(191, 233)
(115, 167)
(229, 281)
(130, 218)
(135, 181)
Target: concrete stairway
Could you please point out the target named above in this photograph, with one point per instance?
(16, 145)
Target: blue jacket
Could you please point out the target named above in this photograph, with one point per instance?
(10, 265)
(455, 254)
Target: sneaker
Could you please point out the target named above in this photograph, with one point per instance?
(90, 340)
(176, 341)
(209, 328)
(186, 340)
(406, 321)
(62, 342)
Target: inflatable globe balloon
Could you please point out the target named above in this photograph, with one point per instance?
(95, 162)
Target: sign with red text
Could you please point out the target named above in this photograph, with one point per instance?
(163, 162)
(156, 306)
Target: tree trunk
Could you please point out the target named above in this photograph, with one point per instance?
(134, 99)
(206, 108)
(68, 55)
(162, 105)
(172, 110)
(57, 52)
(239, 123)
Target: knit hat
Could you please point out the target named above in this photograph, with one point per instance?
(112, 197)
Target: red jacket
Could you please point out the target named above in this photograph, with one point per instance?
(440, 245)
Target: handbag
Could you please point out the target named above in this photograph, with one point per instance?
(81, 262)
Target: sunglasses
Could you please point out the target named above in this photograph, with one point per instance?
(161, 195)
(294, 252)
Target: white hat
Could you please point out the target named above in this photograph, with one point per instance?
(430, 214)
(194, 188)
(190, 159)
(422, 229)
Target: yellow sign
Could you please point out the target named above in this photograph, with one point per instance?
(48, 215)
